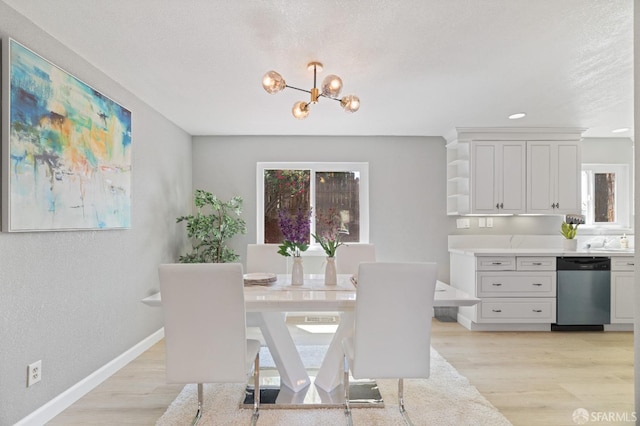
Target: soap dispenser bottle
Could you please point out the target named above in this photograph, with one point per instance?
(624, 243)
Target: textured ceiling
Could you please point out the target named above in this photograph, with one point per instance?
(420, 67)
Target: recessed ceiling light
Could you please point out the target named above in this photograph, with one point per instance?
(517, 115)
(620, 130)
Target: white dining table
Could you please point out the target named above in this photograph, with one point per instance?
(266, 306)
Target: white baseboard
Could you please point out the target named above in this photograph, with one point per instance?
(63, 401)
(474, 326)
(618, 327)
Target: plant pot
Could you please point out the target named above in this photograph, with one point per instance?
(330, 274)
(570, 245)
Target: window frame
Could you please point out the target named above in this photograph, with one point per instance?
(622, 196)
(315, 167)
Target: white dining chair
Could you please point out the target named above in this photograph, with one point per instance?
(265, 258)
(392, 330)
(204, 327)
(349, 256)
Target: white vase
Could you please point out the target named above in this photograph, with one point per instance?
(330, 274)
(570, 244)
(297, 274)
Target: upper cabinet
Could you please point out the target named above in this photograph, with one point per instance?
(514, 171)
(498, 177)
(553, 177)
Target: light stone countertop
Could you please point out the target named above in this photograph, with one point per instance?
(541, 252)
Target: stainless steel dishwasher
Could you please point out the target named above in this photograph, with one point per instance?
(583, 293)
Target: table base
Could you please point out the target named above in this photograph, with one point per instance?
(273, 395)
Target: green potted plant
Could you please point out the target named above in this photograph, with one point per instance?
(569, 231)
(211, 226)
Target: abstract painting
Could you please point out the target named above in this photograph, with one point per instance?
(68, 159)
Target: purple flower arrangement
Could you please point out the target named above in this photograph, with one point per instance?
(295, 229)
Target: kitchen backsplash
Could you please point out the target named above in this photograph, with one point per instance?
(533, 241)
(523, 225)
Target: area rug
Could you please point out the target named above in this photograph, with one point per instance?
(445, 398)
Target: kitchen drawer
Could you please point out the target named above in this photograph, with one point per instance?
(531, 263)
(534, 310)
(622, 263)
(501, 263)
(516, 284)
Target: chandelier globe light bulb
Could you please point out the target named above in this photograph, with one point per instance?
(300, 110)
(273, 82)
(350, 103)
(332, 86)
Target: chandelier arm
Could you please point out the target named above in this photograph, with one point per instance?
(296, 88)
(330, 97)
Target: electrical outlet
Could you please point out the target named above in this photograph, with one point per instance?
(463, 223)
(34, 373)
(482, 222)
(489, 222)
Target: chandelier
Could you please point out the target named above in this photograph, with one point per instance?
(331, 86)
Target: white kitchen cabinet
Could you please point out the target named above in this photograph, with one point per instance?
(498, 173)
(514, 311)
(496, 263)
(622, 279)
(553, 177)
(516, 284)
(516, 292)
(514, 171)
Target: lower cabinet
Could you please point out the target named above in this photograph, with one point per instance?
(513, 310)
(513, 290)
(518, 292)
(622, 306)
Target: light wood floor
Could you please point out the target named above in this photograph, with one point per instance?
(533, 378)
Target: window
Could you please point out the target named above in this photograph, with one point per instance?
(343, 187)
(605, 195)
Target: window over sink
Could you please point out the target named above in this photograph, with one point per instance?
(320, 186)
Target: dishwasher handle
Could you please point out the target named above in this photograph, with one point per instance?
(583, 263)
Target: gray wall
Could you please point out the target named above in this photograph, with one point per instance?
(72, 299)
(406, 184)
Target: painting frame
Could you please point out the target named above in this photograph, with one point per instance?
(66, 149)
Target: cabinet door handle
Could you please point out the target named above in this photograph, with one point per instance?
(496, 263)
(502, 205)
(537, 263)
(497, 310)
(537, 310)
(497, 284)
(630, 264)
(537, 284)
(497, 205)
